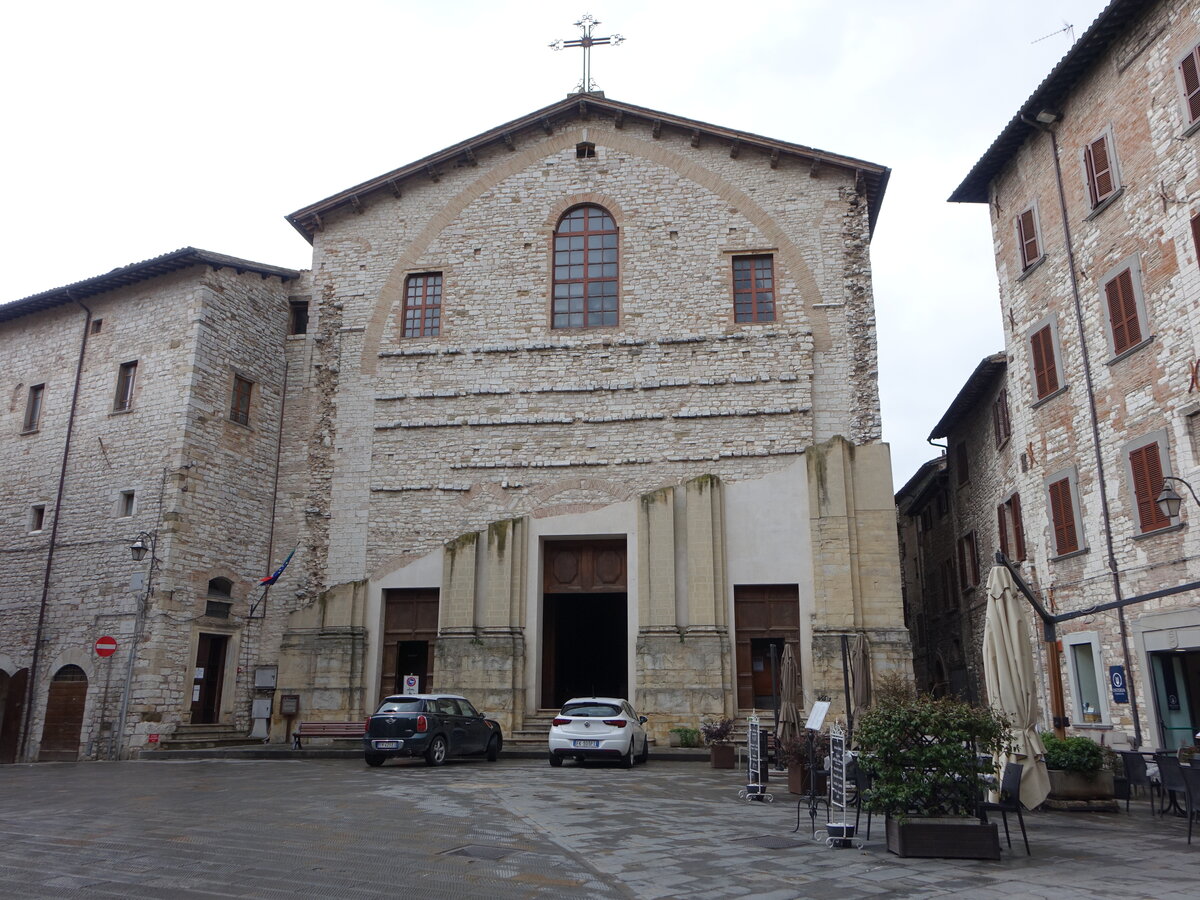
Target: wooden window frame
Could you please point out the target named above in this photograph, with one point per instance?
(1124, 306)
(1187, 77)
(421, 315)
(1001, 419)
(1100, 170)
(33, 408)
(567, 272)
(1062, 506)
(1045, 360)
(298, 315)
(1146, 464)
(1011, 527)
(968, 562)
(126, 385)
(752, 303)
(1029, 240)
(239, 400)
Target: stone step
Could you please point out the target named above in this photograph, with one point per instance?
(198, 737)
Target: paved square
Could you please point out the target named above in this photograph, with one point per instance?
(517, 828)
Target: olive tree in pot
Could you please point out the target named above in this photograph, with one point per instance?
(1076, 769)
(717, 735)
(926, 757)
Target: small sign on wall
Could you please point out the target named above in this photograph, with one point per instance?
(1116, 677)
(289, 704)
(412, 684)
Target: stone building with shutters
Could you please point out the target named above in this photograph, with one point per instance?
(585, 404)
(1093, 189)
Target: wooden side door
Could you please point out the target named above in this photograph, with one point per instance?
(65, 702)
(410, 626)
(12, 708)
(208, 677)
(763, 615)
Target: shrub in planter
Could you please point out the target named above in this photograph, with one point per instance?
(716, 735)
(687, 737)
(1076, 769)
(793, 753)
(924, 758)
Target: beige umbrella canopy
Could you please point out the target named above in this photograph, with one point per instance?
(860, 673)
(1012, 682)
(789, 725)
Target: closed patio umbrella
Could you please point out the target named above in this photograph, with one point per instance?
(789, 725)
(860, 674)
(1012, 683)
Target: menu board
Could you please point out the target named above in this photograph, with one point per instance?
(837, 769)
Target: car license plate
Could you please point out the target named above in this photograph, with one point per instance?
(585, 743)
(388, 745)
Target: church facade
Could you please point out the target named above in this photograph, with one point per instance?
(586, 404)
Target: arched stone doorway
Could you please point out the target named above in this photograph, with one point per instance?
(65, 702)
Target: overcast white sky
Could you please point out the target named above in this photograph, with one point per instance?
(136, 128)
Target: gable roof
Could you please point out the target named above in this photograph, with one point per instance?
(583, 106)
(980, 382)
(134, 273)
(1112, 22)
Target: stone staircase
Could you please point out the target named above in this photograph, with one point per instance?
(533, 735)
(204, 737)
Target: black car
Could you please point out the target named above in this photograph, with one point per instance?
(434, 726)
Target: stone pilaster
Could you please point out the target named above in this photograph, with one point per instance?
(706, 588)
(656, 560)
(458, 585)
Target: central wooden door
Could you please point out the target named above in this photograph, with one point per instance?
(764, 616)
(410, 626)
(64, 716)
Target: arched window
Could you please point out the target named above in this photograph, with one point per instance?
(220, 587)
(585, 269)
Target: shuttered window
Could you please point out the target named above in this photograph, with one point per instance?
(1196, 235)
(1123, 312)
(1101, 176)
(1045, 368)
(1189, 78)
(968, 562)
(1000, 419)
(1062, 516)
(1012, 530)
(1146, 465)
(1028, 237)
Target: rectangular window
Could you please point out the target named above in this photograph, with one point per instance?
(1045, 361)
(961, 465)
(968, 562)
(926, 519)
(1001, 423)
(239, 404)
(97, 325)
(298, 315)
(1085, 679)
(754, 288)
(1027, 238)
(943, 504)
(1063, 515)
(1196, 235)
(37, 517)
(423, 305)
(1099, 163)
(125, 504)
(1122, 294)
(1012, 529)
(126, 376)
(33, 407)
(1189, 84)
(1146, 476)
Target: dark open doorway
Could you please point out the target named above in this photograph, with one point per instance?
(585, 619)
(209, 677)
(12, 708)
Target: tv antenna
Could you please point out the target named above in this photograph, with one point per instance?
(1067, 27)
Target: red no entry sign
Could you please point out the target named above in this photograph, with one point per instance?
(106, 646)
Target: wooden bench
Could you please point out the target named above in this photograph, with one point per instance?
(328, 729)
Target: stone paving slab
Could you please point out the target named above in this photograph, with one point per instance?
(517, 828)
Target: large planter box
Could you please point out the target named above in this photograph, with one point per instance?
(948, 838)
(1066, 785)
(721, 756)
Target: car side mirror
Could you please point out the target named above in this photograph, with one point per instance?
(642, 719)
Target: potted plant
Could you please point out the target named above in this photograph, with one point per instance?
(716, 735)
(1076, 768)
(682, 736)
(793, 753)
(927, 757)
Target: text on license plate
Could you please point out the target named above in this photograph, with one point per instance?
(585, 743)
(388, 745)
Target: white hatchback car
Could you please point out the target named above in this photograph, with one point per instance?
(598, 728)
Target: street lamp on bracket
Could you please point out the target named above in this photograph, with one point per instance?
(1169, 500)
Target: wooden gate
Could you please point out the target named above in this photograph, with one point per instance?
(64, 716)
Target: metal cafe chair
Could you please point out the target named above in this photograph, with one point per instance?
(1171, 785)
(1191, 783)
(1137, 776)
(1010, 801)
(862, 782)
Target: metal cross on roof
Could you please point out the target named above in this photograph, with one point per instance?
(586, 23)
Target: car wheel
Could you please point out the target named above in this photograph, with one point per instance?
(627, 759)
(374, 760)
(493, 750)
(436, 754)
(555, 760)
(644, 756)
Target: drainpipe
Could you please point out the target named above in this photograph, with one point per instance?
(30, 686)
(1111, 558)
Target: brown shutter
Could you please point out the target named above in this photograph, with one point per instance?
(1189, 69)
(972, 560)
(1196, 235)
(1099, 170)
(1003, 525)
(1018, 527)
(1147, 485)
(1027, 229)
(1062, 512)
(1123, 312)
(1044, 370)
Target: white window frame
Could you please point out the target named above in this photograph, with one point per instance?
(1070, 641)
(1133, 264)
